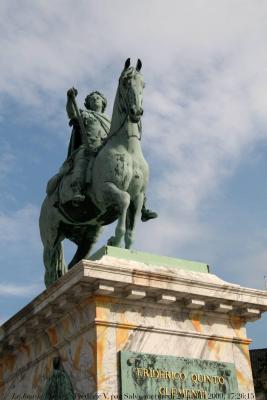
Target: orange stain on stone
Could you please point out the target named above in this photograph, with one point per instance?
(87, 300)
(1, 374)
(237, 323)
(100, 345)
(122, 334)
(52, 333)
(102, 304)
(100, 351)
(65, 323)
(24, 347)
(102, 312)
(92, 369)
(77, 354)
(36, 378)
(242, 379)
(63, 354)
(215, 347)
(245, 351)
(48, 368)
(9, 362)
(195, 318)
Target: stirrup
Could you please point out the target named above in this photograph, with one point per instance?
(78, 199)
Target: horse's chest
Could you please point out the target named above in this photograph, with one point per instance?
(122, 169)
(138, 176)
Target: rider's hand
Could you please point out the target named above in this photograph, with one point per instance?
(72, 92)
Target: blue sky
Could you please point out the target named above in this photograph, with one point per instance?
(204, 127)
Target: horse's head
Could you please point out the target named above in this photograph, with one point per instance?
(131, 85)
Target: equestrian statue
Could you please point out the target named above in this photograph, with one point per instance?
(103, 179)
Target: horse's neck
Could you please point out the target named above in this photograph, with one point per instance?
(124, 131)
(119, 115)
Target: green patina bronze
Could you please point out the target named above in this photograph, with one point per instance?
(103, 179)
(149, 259)
(58, 386)
(151, 376)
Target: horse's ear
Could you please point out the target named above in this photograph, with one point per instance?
(138, 65)
(127, 63)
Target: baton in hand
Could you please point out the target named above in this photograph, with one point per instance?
(80, 120)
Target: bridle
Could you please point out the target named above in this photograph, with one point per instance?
(127, 115)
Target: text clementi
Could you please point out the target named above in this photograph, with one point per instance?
(183, 393)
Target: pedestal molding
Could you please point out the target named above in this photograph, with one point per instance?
(233, 339)
(90, 276)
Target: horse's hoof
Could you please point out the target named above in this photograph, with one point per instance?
(111, 241)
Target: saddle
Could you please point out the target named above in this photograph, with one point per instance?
(60, 188)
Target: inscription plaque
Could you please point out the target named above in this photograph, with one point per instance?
(151, 376)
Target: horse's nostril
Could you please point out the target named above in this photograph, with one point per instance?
(141, 111)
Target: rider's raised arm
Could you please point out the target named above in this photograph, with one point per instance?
(71, 93)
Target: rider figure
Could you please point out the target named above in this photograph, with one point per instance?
(97, 126)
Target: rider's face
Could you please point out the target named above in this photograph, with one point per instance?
(96, 102)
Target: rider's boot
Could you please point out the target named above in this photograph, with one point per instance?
(147, 214)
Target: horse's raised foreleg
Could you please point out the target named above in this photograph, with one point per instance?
(133, 215)
(120, 199)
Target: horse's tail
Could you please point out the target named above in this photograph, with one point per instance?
(54, 263)
(51, 236)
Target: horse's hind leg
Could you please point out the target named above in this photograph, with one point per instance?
(120, 199)
(133, 215)
(88, 239)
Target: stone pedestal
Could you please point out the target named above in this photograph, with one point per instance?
(119, 302)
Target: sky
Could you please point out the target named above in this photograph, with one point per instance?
(204, 127)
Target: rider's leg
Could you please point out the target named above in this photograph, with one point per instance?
(146, 213)
(78, 175)
(88, 174)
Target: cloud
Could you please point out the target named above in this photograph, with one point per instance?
(20, 227)
(250, 267)
(6, 163)
(8, 289)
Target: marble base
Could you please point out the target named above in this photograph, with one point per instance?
(101, 307)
